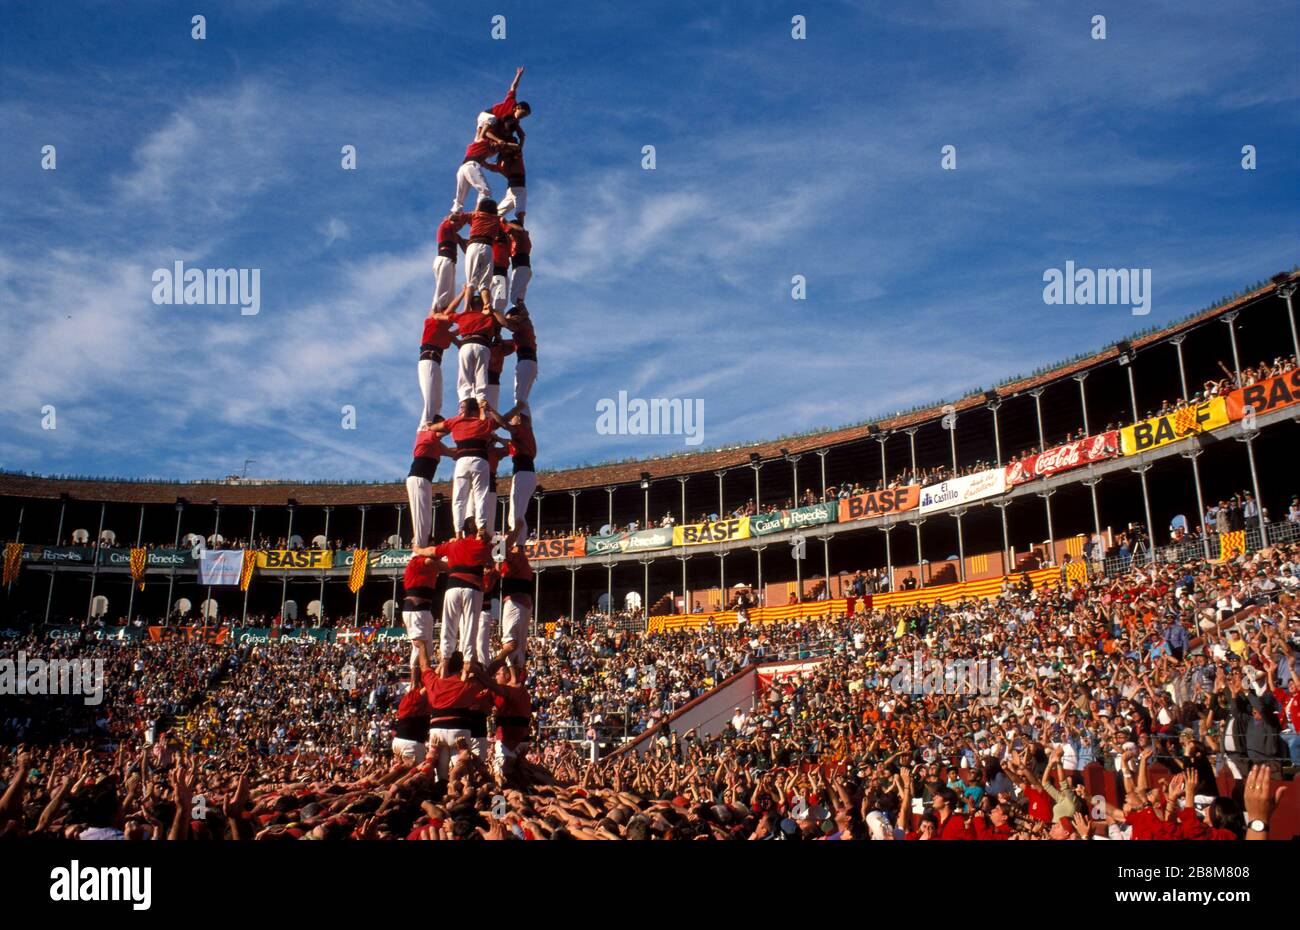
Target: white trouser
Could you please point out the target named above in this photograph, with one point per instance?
(525, 376)
(478, 267)
(444, 282)
(419, 626)
(516, 615)
(460, 610)
(430, 374)
(504, 758)
(522, 486)
(472, 371)
(515, 201)
(409, 751)
(469, 174)
(500, 289)
(442, 743)
(483, 637)
(490, 507)
(520, 275)
(469, 490)
(493, 392)
(419, 494)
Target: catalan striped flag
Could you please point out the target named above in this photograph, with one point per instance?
(1229, 543)
(360, 561)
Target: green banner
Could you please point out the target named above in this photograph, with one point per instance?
(108, 633)
(305, 636)
(154, 558)
(812, 515)
(765, 523)
(252, 634)
(602, 545)
(390, 561)
(657, 538)
(59, 555)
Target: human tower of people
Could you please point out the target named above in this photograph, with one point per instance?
(452, 693)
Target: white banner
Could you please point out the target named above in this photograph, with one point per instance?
(963, 490)
(220, 566)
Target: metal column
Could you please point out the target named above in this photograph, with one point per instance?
(94, 569)
(284, 576)
(249, 554)
(139, 536)
(171, 580)
(320, 613)
(1083, 401)
(58, 540)
(361, 542)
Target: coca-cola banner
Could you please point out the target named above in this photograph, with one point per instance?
(1063, 458)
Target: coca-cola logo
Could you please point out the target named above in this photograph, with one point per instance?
(1061, 457)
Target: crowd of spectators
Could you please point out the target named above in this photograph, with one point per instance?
(1171, 677)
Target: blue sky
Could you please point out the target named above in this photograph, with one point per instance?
(775, 157)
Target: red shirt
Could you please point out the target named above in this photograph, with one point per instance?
(522, 440)
(421, 572)
(1147, 826)
(506, 108)
(1191, 827)
(1040, 804)
(511, 163)
(475, 323)
(514, 703)
(984, 830)
(520, 242)
(413, 704)
(525, 335)
(468, 553)
(501, 251)
(505, 114)
(516, 566)
(448, 232)
(479, 150)
(452, 693)
(427, 445)
(497, 353)
(484, 226)
(437, 333)
(954, 828)
(468, 429)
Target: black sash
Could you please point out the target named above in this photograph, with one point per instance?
(413, 728)
(458, 718)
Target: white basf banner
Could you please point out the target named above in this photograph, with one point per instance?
(963, 490)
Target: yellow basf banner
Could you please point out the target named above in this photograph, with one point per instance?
(1171, 427)
(699, 534)
(295, 559)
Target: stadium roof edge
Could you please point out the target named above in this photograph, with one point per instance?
(587, 477)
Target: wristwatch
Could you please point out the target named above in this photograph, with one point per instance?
(1258, 826)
